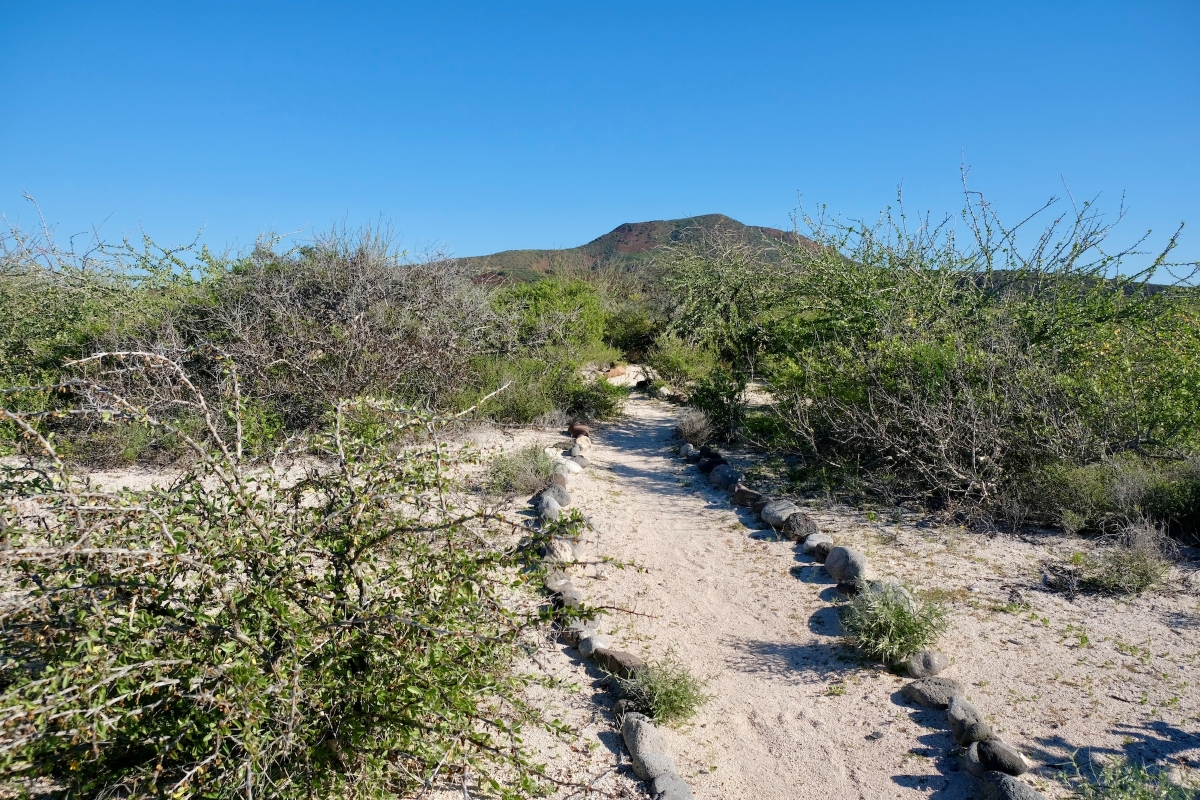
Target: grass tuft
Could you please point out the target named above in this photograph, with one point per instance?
(887, 623)
(523, 471)
(665, 689)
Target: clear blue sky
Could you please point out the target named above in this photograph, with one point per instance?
(501, 125)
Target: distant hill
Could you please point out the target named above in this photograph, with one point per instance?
(626, 246)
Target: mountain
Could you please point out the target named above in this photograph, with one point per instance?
(625, 247)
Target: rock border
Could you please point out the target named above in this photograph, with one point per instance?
(987, 757)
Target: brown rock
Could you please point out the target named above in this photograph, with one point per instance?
(616, 372)
(579, 429)
(618, 662)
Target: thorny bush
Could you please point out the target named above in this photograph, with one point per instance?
(335, 623)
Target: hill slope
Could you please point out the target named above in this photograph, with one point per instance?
(626, 246)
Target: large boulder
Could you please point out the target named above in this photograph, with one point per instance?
(846, 565)
(798, 527)
(724, 477)
(966, 723)
(589, 646)
(582, 461)
(579, 629)
(647, 750)
(584, 442)
(670, 787)
(559, 478)
(926, 663)
(693, 457)
(994, 755)
(759, 504)
(744, 496)
(936, 692)
(570, 466)
(777, 512)
(685, 450)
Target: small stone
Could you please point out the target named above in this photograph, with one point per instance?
(618, 662)
(647, 750)
(581, 551)
(693, 457)
(707, 451)
(578, 429)
(995, 755)
(846, 565)
(548, 508)
(777, 512)
(818, 545)
(571, 466)
(575, 450)
(558, 551)
(578, 630)
(593, 643)
(724, 476)
(584, 442)
(926, 663)
(582, 461)
(685, 449)
(707, 465)
(933, 692)
(744, 496)
(966, 723)
(998, 786)
(616, 372)
(559, 494)
(555, 580)
(758, 505)
(798, 527)
(670, 787)
(559, 478)
(569, 597)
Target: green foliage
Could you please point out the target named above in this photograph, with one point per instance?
(1124, 780)
(630, 328)
(679, 363)
(720, 396)
(524, 471)
(553, 312)
(336, 630)
(887, 623)
(665, 689)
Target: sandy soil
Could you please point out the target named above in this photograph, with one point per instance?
(795, 714)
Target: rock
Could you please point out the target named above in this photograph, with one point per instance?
(670, 787)
(618, 662)
(616, 372)
(777, 512)
(548, 509)
(707, 451)
(846, 565)
(587, 647)
(893, 588)
(569, 597)
(798, 527)
(578, 630)
(559, 494)
(578, 429)
(693, 457)
(582, 461)
(994, 755)
(926, 663)
(707, 465)
(933, 692)
(724, 476)
(758, 505)
(575, 450)
(559, 478)
(966, 723)
(744, 496)
(584, 442)
(558, 551)
(647, 750)
(818, 545)
(685, 449)
(998, 786)
(556, 580)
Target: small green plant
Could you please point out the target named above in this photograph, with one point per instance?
(665, 689)
(887, 623)
(1125, 780)
(523, 471)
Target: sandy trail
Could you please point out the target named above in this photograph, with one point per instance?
(794, 714)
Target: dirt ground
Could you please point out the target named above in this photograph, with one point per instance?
(795, 714)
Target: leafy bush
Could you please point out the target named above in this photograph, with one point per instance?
(339, 625)
(694, 428)
(525, 471)
(678, 363)
(720, 396)
(1135, 561)
(1124, 780)
(887, 623)
(553, 312)
(664, 689)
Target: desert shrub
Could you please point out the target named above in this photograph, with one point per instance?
(1135, 561)
(1125, 780)
(694, 428)
(331, 627)
(630, 328)
(596, 399)
(524, 471)
(720, 395)
(679, 363)
(887, 623)
(665, 689)
(553, 312)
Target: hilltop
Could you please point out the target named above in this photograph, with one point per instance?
(626, 246)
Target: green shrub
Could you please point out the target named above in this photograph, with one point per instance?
(1136, 561)
(524, 471)
(664, 689)
(1125, 780)
(340, 630)
(678, 363)
(721, 396)
(553, 312)
(888, 624)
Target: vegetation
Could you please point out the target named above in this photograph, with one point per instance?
(1135, 561)
(694, 428)
(342, 624)
(664, 689)
(1125, 780)
(888, 624)
(525, 471)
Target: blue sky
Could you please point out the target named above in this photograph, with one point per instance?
(484, 127)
